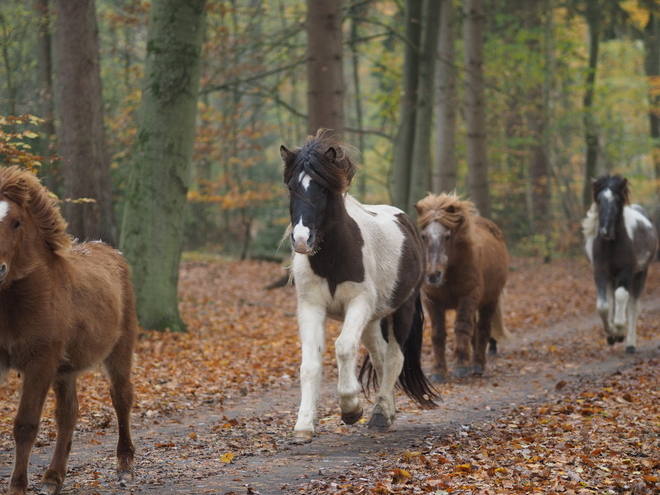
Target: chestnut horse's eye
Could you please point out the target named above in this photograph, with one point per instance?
(17, 224)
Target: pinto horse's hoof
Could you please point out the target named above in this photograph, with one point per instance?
(631, 349)
(462, 371)
(437, 378)
(611, 340)
(477, 369)
(379, 422)
(352, 418)
(124, 477)
(619, 338)
(302, 436)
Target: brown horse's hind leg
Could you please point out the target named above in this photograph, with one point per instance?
(118, 369)
(66, 415)
(463, 330)
(482, 338)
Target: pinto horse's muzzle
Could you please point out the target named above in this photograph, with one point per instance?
(303, 245)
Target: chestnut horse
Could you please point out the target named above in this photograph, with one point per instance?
(621, 242)
(65, 308)
(467, 264)
(360, 264)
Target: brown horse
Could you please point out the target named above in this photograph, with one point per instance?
(467, 264)
(65, 308)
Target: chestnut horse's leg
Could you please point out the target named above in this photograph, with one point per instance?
(66, 415)
(482, 337)
(463, 330)
(438, 340)
(36, 383)
(118, 368)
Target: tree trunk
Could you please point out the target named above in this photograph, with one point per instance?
(591, 137)
(652, 69)
(82, 143)
(46, 108)
(405, 137)
(475, 117)
(355, 12)
(444, 172)
(325, 75)
(421, 159)
(152, 229)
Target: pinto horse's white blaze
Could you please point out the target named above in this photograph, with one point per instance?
(305, 180)
(4, 208)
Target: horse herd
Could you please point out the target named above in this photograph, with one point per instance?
(67, 307)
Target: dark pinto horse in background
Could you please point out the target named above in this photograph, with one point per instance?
(65, 308)
(467, 264)
(620, 242)
(363, 265)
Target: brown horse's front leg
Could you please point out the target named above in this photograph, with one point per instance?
(482, 337)
(26, 424)
(66, 415)
(438, 340)
(463, 330)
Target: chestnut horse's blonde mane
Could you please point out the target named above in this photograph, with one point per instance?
(25, 189)
(448, 209)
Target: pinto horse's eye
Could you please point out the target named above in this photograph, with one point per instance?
(17, 224)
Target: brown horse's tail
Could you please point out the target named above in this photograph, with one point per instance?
(497, 330)
(412, 379)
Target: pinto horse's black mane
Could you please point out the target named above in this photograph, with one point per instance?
(616, 183)
(324, 159)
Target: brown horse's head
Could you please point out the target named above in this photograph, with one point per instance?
(444, 220)
(29, 219)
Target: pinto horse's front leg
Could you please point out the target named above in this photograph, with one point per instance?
(346, 349)
(311, 320)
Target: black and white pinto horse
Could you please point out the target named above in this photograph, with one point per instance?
(363, 265)
(621, 243)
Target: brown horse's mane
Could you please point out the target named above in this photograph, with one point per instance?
(448, 209)
(25, 189)
(315, 158)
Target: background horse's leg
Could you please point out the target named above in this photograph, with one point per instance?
(26, 424)
(118, 368)
(66, 415)
(463, 330)
(346, 349)
(311, 320)
(438, 340)
(482, 337)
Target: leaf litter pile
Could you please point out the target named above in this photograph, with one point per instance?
(595, 436)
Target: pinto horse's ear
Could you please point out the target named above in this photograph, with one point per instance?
(284, 152)
(331, 154)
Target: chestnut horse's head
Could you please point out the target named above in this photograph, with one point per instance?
(441, 218)
(317, 174)
(28, 219)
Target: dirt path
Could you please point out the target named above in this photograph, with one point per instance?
(184, 452)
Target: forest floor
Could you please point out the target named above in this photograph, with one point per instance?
(557, 411)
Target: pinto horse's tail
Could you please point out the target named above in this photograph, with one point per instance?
(412, 379)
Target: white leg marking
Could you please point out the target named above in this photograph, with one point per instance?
(373, 340)
(357, 316)
(633, 314)
(621, 297)
(312, 337)
(4, 208)
(393, 365)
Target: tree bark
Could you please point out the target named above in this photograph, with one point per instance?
(475, 117)
(593, 17)
(444, 172)
(82, 144)
(325, 74)
(405, 137)
(652, 70)
(152, 229)
(421, 159)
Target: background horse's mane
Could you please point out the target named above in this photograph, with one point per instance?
(448, 209)
(24, 188)
(617, 183)
(325, 159)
